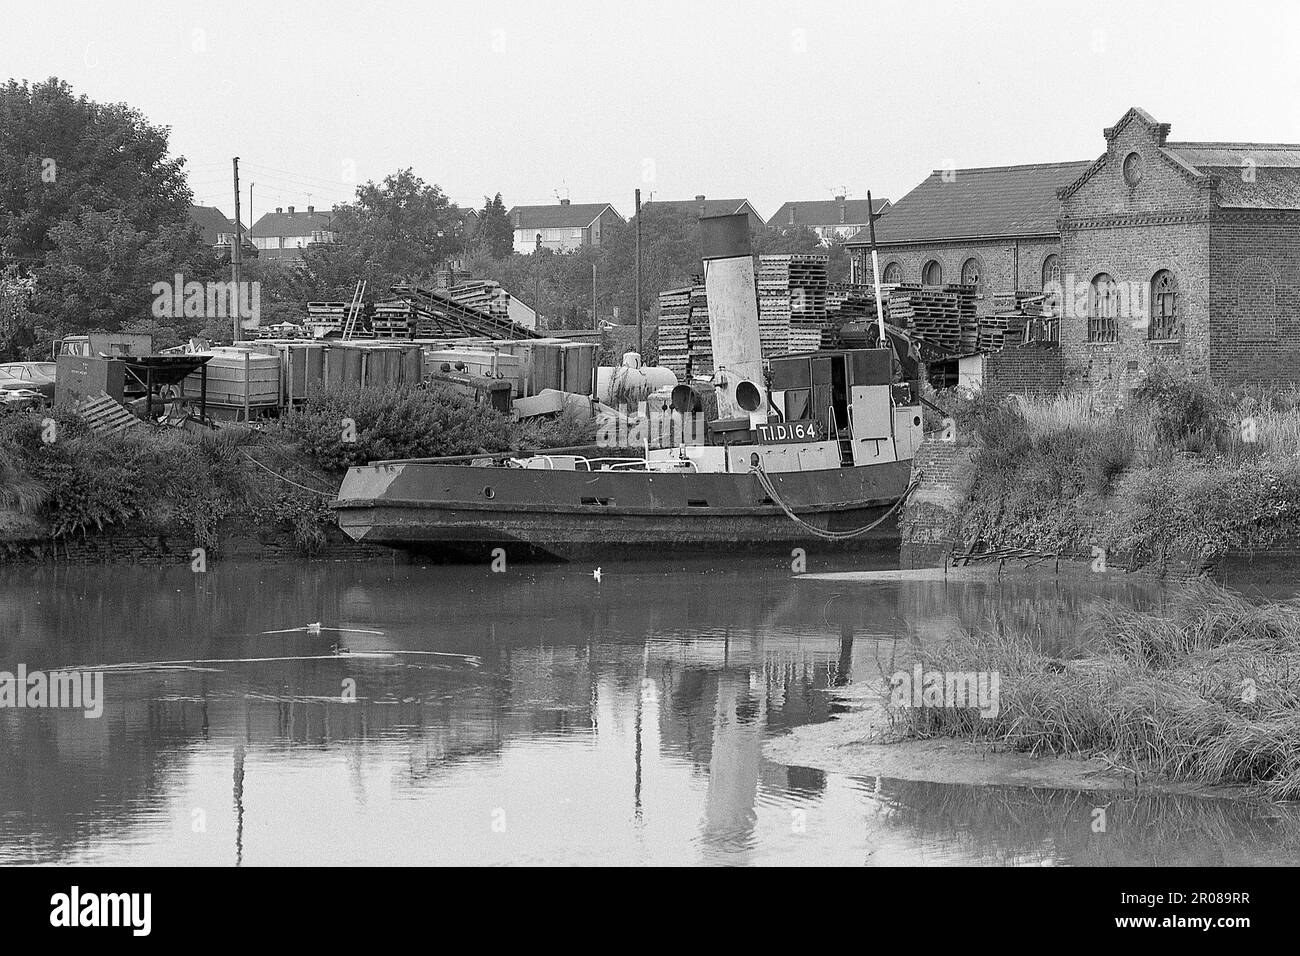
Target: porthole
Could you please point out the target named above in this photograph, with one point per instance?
(1133, 168)
(488, 492)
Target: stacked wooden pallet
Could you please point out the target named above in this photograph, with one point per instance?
(942, 315)
(393, 319)
(674, 325)
(1002, 330)
(106, 415)
(700, 334)
(1017, 319)
(792, 298)
(482, 294)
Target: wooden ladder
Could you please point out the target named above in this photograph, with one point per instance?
(354, 311)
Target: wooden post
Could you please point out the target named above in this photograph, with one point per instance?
(640, 341)
(237, 256)
(246, 382)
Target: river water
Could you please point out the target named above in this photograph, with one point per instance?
(454, 715)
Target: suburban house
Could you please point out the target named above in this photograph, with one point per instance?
(699, 207)
(216, 229)
(839, 218)
(561, 227)
(282, 235)
(1180, 249)
(994, 228)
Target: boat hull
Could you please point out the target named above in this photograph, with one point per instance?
(468, 512)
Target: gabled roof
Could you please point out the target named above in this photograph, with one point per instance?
(559, 215)
(212, 222)
(825, 212)
(296, 223)
(1238, 175)
(1250, 175)
(991, 202)
(702, 208)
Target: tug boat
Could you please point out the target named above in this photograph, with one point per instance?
(815, 455)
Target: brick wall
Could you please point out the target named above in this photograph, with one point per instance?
(236, 541)
(931, 517)
(1255, 297)
(1132, 232)
(1036, 369)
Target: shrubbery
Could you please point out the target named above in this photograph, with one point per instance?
(404, 422)
(1186, 471)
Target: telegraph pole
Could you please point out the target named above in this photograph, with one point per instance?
(537, 280)
(595, 322)
(640, 341)
(237, 256)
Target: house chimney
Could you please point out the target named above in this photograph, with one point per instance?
(564, 202)
(700, 199)
(291, 210)
(792, 215)
(519, 219)
(840, 201)
(279, 209)
(311, 210)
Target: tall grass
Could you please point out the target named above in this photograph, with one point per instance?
(1205, 690)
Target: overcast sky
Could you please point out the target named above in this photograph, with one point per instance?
(772, 101)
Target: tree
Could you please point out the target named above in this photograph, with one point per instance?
(92, 207)
(100, 271)
(494, 228)
(399, 230)
(62, 155)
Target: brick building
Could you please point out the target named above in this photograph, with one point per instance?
(1180, 250)
(995, 228)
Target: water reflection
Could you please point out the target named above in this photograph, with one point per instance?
(618, 722)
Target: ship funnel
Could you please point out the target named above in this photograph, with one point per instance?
(729, 284)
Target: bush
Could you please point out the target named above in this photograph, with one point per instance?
(1185, 411)
(395, 422)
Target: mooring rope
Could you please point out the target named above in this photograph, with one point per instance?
(770, 488)
(314, 491)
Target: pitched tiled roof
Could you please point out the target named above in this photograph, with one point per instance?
(298, 223)
(697, 208)
(996, 201)
(558, 215)
(825, 212)
(1251, 175)
(211, 222)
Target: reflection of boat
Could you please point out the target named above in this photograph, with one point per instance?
(817, 453)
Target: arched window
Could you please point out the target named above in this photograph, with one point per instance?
(932, 273)
(893, 273)
(970, 274)
(1051, 270)
(1164, 306)
(1103, 309)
